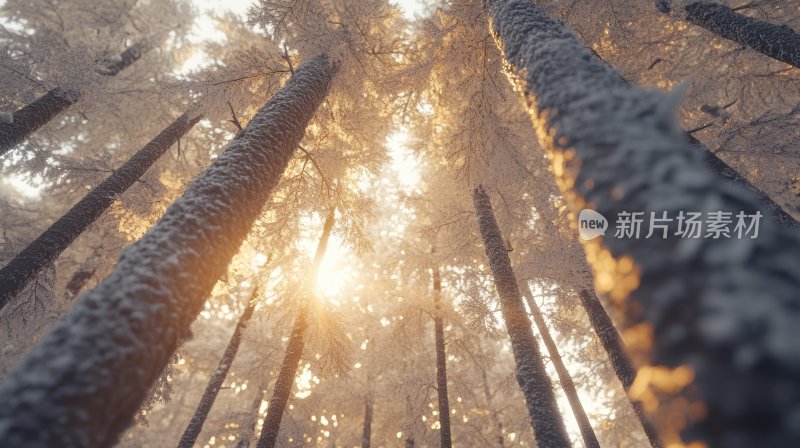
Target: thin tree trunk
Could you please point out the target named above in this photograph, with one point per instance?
(585, 426)
(441, 363)
(283, 385)
(366, 435)
(86, 379)
(215, 383)
(548, 427)
(294, 351)
(776, 41)
(410, 420)
(249, 427)
(38, 113)
(44, 250)
(615, 348)
(619, 148)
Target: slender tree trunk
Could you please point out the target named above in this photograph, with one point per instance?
(249, 426)
(410, 420)
(294, 351)
(86, 379)
(441, 363)
(44, 250)
(38, 113)
(619, 148)
(366, 435)
(215, 383)
(615, 348)
(585, 426)
(548, 427)
(776, 41)
(283, 385)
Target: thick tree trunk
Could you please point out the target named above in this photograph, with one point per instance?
(441, 363)
(215, 383)
(283, 385)
(548, 427)
(38, 113)
(619, 148)
(294, 351)
(86, 379)
(585, 426)
(44, 250)
(366, 435)
(615, 348)
(776, 41)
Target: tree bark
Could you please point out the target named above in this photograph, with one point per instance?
(44, 250)
(548, 427)
(619, 148)
(38, 113)
(283, 385)
(294, 351)
(779, 42)
(615, 348)
(366, 435)
(86, 379)
(215, 383)
(441, 363)
(585, 426)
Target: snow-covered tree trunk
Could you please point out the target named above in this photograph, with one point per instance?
(283, 385)
(366, 434)
(42, 251)
(84, 382)
(31, 117)
(441, 363)
(724, 308)
(584, 425)
(294, 351)
(548, 426)
(215, 383)
(615, 348)
(776, 41)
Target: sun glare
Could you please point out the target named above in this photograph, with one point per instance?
(335, 271)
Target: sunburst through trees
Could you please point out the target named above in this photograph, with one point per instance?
(399, 223)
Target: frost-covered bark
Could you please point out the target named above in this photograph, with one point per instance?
(204, 407)
(366, 434)
(283, 385)
(294, 351)
(776, 41)
(726, 308)
(615, 348)
(584, 425)
(441, 363)
(548, 427)
(31, 117)
(86, 379)
(42, 251)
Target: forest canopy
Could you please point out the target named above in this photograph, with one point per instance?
(400, 223)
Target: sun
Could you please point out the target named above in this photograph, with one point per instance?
(336, 269)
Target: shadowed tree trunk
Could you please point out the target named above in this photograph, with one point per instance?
(86, 379)
(215, 383)
(42, 251)
(441, 363)
(248, 428)
(548, 427)
(38, 113)
(776, 41)
(366, 435)
(585, 426)
(619, 148)
(294, 351)
(615, 348)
